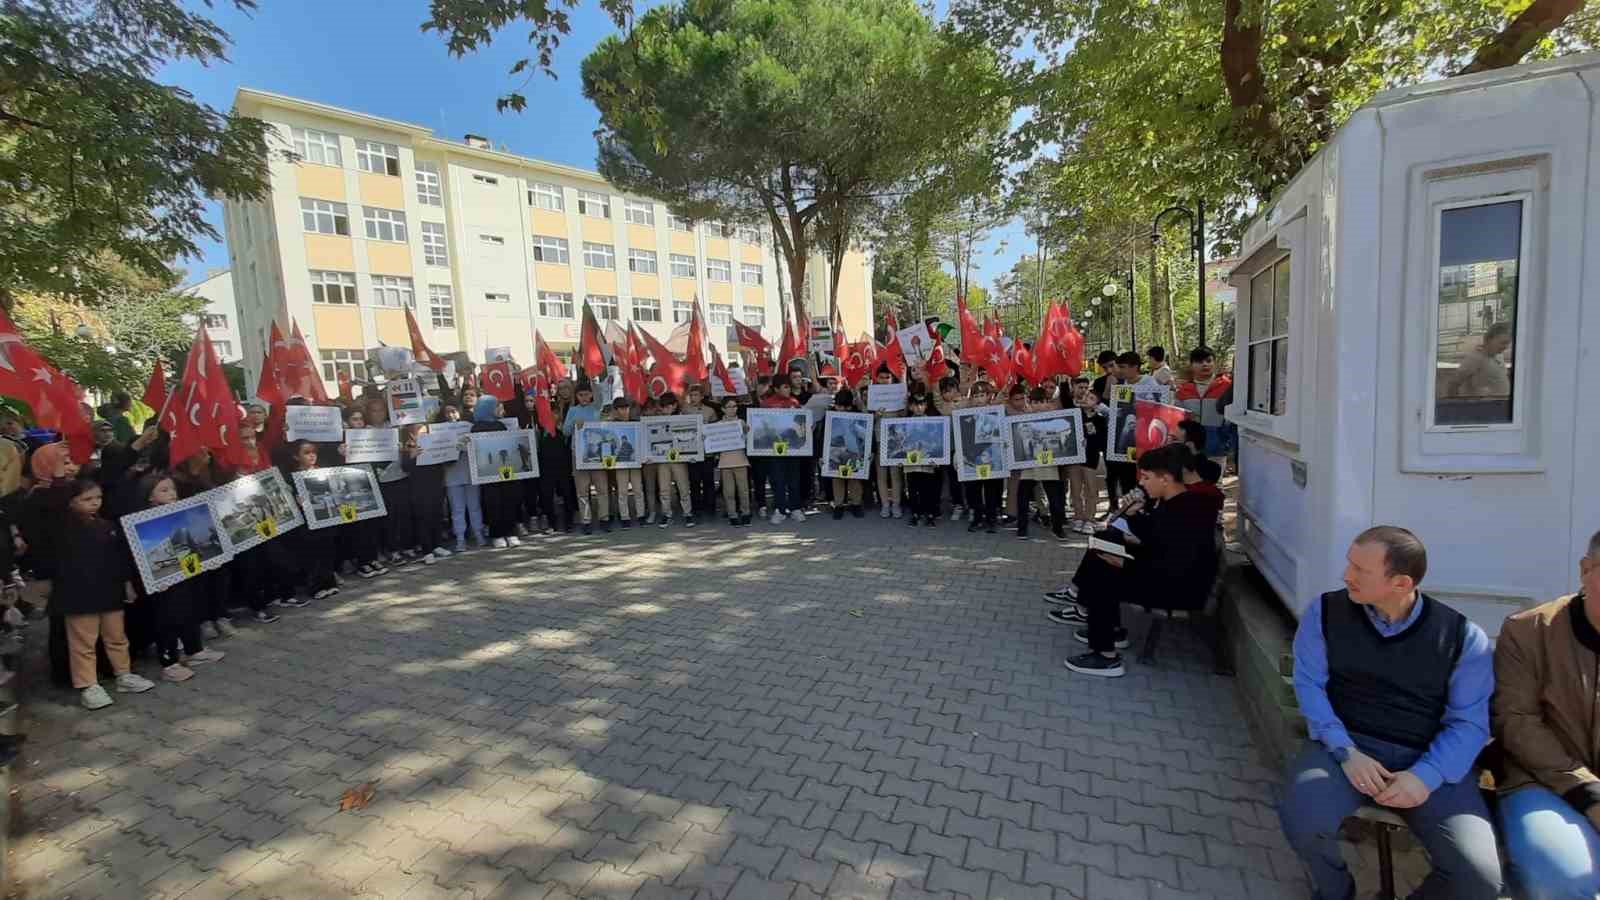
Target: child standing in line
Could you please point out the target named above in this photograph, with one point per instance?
(177, 609)
(587, 408)
(315, 556)
(845, 490)
(670, 473)
(90, 584)
(1084, 479)
(785, 493)
(702, 474)
(922, 482)
(500, 500)
(890, 478)
(629, 482)
(949, 401)
(983, 496)
(650, 473)
(734, 467)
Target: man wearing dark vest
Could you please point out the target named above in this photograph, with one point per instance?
(1395, 689)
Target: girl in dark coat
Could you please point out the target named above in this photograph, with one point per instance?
(178, 610)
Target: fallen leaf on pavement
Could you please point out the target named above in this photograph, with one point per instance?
(358, 797)
(856, 612)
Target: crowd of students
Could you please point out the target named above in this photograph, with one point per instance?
(64, 517)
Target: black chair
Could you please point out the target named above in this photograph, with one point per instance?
(1207, 618)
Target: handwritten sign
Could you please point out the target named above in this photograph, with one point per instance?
(886, 397)
(720, 436)
(372, 445)
(320, 424)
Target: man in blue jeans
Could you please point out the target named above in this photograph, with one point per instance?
(1547, 664)
(1395, 689)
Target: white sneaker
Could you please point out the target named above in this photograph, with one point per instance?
(513, 541)
(777, 518)
(225, 627)
(957, 513)
(896, 509)
(205, 656)
(885, 511)
(440, 553)
(129, 683)
(427, 559)
(798, 516)
(499, 543)
(521, 532)
(177, 672)
(761, 513)
(461, 546)
(94, 697)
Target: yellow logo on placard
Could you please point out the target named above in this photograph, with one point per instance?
(347, 512)
(846, 470)
(191, 564)
(267, 527)
(1045, 457)
(780, 447)
(984, 469)
(672, 455)
(506, 472)
(608, 461)
(914, 457)
(1133, 453)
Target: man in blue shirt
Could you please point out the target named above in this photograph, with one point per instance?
(1395, 689)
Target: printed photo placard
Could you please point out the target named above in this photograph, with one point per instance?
(174, 542)
(671, 439)
(847, 445)
(1123, 420)
(442, 443)
(608, 445)
(254, 509)
(980, 436)
(1042, 439)
(779, 432)
(915, 441)
(502, 456)
(339, 495)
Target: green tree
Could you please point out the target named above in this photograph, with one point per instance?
(806, 114)
(100, 161)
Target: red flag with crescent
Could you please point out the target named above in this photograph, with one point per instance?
(669, 373)
(1059, 350)
(56, 400)
(541, 404)
(857, 361)
(750, 338)
(203, 413)
(546, 360)
(297, 372)
(497, 380)
(719, 370)
(590, 354)
(891, 355)
(419, 349)
(1156, 424)
(155, 390)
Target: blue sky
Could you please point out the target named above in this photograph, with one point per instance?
(370, 55)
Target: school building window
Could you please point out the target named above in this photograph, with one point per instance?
(646, 309)
(485, 179)
(546, 196)
(214, 320)
(352, 363)
(378, 158)
(642, 261)
(392, 291)
(604, 306)
(680, 223)
(493, 240)
(639, 212)
(433, 246)
(593, 204)
(441, 306)
(749, 273)
(428, 190)
(1269, 339)
(682, 310)
(718, 270)
(755, 316)
(555, 304)
(549, 249)
(333, 287)
(750, 235)
(599, 256)
(325, 216)
(496, 297)
(320, 147)
(721, 314)
(682, 265)
(224, 348)
(384, 224)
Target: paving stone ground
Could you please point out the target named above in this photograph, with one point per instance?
(666, 714)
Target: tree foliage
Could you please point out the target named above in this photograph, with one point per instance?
(807, 114)
(100, 161)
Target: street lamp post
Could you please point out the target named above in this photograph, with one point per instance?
(1109, 290)
(1197, 246)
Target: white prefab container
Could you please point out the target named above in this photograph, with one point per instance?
(1417, 329)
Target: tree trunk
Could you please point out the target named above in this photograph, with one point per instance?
(1521, 34)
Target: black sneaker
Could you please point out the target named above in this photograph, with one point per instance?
(838, 513)
(291, 602)
(1120, 637)
(857, 511)
(973, 528)
(932, 522)
(640, 521)
(666, 522)
(912, 520)
(745, 520)
(990, 527)
(265, 617)
(1022, 535)
(733, 520)
(1068, 594)
(688, 521)
(1067, 615)
(627, 522)
(588, 528)
(606, 526)
(1092, 663)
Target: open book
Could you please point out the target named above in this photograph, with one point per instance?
(1109, 547)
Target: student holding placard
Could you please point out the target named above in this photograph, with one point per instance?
(629, 482)
(846, 490)
(702, 472)
(672, 473)
(734, 467)
(983, 495)
(427, 497)
(923, 485)
(316, 555)
(586, 407)
(784, 472)
(500, 500)
(890, 479)
(179, 608)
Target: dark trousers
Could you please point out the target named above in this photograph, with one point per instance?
(427, 516)
(501, 502)
(1452, 824)
(360, 541)
(178, 619)
(399, 532)
(957, 495)
(983, 498)
(1121, 477)
(924, 489)
(1053, 493)
(310, 557)
(758, 481)
(703, 486)
(1101, 589)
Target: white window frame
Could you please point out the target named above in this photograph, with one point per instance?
(680, 223)
(496, 297)
(682, 311)
(214, 320)
(1289, 238)
(599, 256)
(639, 212)
(755, 316)
(441, 306)
(430, 188)
(343, 282)
(394, 292)
(547, 249)
(750, 234)
(1273, 336)
(646, 309)
(352, 361)
(376, 220)
(435, 249)
(377, 157)
(559, 301)
(314, 211)
(224, 348)
(719, 270)
(748, 269)
(682, 259)
(1498, 447)
(720, 313)
(311, 143)
(489, 180)
(492, 240)
(606, 307)
(543, 195)
(594, 204)
(642, 262)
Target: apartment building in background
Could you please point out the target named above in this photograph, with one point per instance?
(372, 216)
(221, 315)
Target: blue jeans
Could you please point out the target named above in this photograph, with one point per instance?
(465, 503)
(1553, 847)
(1452, 825)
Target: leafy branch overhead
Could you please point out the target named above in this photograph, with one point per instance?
(98, 160)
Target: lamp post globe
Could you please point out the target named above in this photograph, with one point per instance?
(1109, 290)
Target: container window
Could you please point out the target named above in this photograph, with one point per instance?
(1480, 249)
(1269, 339)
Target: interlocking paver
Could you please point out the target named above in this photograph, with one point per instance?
(531, 733)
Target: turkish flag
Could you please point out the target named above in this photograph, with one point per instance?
(972, 350)
(155, 390)
(671, 372)
(857, 362)
(497, 380)
(590, 353)
(419, 349)
(346, 390)
(789, 349)
(1156, 424)
(997, 361)
(892, 356)
(56, 400)
(541, 405)
(750, 338)
(937, 367)
(695, 356)
(203, 413)
(720, 370)
(1059, 350)
(546, 360)
(296, 372)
